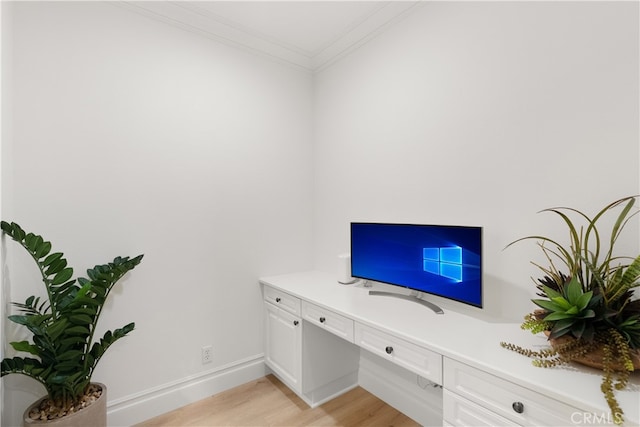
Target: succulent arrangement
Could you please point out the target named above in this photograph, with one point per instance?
(586, 304)
(63, 324)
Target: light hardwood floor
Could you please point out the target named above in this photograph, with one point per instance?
(268, 402)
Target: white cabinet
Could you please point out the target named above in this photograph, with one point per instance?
(473, 395)
(283, 345)
(316, 359)
(320, 357)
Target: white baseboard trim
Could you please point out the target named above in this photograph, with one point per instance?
(150, 403)
(401, 389)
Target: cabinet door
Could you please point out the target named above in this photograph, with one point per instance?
(283, 346)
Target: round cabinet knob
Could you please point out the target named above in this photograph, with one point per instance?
(278, 299)
(295, 323)
(518, 407)
(389, 349)
(322, 320)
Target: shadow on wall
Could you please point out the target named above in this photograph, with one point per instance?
(503, 301)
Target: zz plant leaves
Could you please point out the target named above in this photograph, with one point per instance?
(63, 324)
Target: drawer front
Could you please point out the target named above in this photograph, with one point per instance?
(460, 412)
(501, 397)
(282, 300)
(423, 362)
(327, 319)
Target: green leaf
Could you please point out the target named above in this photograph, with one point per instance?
(19, 365)
(56, 266)
(26, 347)
(583, 300)
(80, 319)
(51, 258)
(573, 290)
(84, 310)
(90, 361)
(562, 303)
(572, 310)
(43, 249)
(33, 320)
(57, 328)
(77, 330)
(578, 329)
(587, 314)
(62, 276)
(558, 315)
(32, 241)
(551, 293)
(72, 341)
(94, 302)
(561, 327)
(547, 305)
(69, 355)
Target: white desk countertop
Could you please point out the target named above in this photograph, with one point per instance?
(462, 337)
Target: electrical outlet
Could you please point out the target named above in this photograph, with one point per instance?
(207, 354)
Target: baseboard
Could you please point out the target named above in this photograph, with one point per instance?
(159, 400)
(404, 390)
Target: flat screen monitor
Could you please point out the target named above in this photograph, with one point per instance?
(443, 260)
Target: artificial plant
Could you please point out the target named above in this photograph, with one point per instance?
(64, 323)
(586, 303)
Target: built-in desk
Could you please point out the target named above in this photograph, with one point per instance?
(317, 328)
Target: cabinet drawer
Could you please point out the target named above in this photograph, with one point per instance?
(501, 396)
(327, 319)
(458, 411)
(423, 362)
(282, 300)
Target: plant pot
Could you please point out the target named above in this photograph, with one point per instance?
(593, 359)
(94, 415)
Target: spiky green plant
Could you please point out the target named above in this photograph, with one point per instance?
(63, 325)
(593, 303)
(609, 279)
(570, 310)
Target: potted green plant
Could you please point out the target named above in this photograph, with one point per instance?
(586, 305)
(63, 326)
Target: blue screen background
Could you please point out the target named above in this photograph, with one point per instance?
(393, 253)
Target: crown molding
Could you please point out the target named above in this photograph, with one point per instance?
(188, 16)
(389, 13)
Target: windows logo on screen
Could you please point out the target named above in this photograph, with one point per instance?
(444, 261)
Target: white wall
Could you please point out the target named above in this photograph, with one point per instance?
(131, 136)
(481, 113)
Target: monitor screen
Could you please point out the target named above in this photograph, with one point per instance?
(442, 260)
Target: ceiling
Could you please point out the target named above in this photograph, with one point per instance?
(308, 34)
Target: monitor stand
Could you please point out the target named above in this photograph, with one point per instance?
(415, 297)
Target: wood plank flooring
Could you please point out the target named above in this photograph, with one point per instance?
(268, 402)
